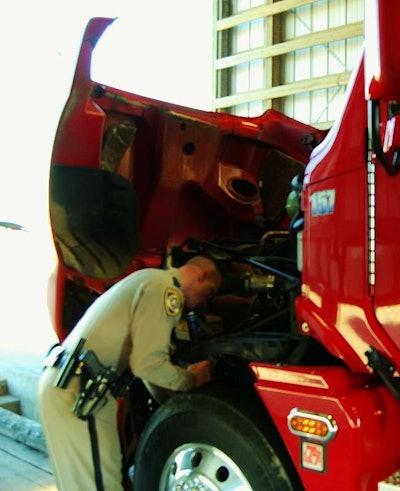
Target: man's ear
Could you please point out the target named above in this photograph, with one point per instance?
(202, 275)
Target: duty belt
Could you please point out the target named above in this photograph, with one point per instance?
(96, 379)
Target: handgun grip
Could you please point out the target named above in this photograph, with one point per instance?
(92, 365)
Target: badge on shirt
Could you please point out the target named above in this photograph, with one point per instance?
(172, 301)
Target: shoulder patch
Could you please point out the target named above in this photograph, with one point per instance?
(173, 301)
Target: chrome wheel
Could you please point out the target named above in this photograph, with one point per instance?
(201, 467)
(202, 441)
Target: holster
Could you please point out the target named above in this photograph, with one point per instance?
(96, 379)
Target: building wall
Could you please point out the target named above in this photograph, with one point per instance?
(295, 56)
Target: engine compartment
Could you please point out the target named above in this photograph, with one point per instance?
(252, 318)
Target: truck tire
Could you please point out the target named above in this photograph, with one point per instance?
(200, 442)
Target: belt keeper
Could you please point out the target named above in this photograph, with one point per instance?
(54, 356)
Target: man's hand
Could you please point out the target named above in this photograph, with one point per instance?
(201, 372)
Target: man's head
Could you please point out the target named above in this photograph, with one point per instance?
(200, 280)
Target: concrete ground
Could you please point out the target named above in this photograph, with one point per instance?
(24, 465)
(21, 371)
(23, 468)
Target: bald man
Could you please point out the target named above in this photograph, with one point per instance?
(129, 326)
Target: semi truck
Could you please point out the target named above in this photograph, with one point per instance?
(304, 224)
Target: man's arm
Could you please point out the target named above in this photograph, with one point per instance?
(152, 324)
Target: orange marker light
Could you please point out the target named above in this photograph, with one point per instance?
(312, 425)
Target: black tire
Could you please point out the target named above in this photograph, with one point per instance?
(197, 439)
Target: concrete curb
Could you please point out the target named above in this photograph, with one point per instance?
(22, 429)
(22, 372)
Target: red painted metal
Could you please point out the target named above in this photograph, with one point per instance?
(343, 310)
(365, 448)
(383, 56)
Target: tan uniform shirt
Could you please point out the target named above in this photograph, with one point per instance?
(131, 325)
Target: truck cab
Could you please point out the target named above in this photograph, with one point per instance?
(303, 335)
